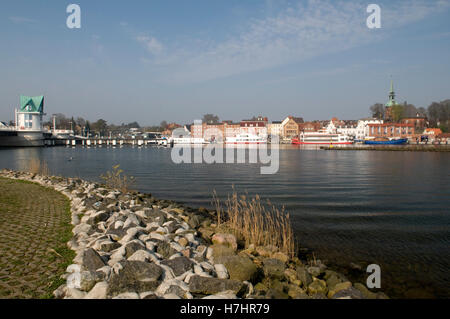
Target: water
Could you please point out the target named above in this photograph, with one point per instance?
(388, 208)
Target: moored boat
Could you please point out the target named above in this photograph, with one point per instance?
(246, 139)
(322, 138)
(386, 141)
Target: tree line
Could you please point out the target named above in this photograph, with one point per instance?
(437, 113)
(101, 127)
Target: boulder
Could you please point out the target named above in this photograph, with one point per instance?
(239, 267)
(266, 251)
(338, 287)
(350, 293)
(221, 271)
(273, 268)
(304, 276)
(226, 240)
(295, 292)
(165, 249)
(91, 260)
(220, 251)
(179, 265)
(135, 276)
(211, 286)
(98, 292)
(132, 247)
(314, 271)
(223, 295)
(281, 256)
(194, 221)
(366, 292)
(317, 287)
(98, 217)
(108, 246)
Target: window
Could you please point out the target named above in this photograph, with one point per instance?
(28, 121)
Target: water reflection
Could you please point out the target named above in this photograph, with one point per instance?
(389, 208)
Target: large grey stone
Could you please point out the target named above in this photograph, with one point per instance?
(179, 265)
(132, 247)
(135, 276)
(274, 268)
(164, 248)
(350, 293)
(239, 267)
(91, 260)
(304, 276)
(211, 286)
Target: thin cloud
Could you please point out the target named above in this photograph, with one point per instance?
(152, 45)
(295, 34)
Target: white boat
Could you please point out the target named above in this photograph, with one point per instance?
(187, 140)
(246, 139)
(319, 138)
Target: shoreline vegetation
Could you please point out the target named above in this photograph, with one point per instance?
(132, 245)
(34, 230)
(406, 148)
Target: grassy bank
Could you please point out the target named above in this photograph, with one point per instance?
(34, 231)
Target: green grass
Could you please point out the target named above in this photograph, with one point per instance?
(22, 203)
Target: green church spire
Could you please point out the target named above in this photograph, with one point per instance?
(392, 101)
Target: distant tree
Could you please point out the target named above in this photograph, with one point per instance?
(398, 112)
(422, 111)
(100, 126)
(409, 110)
(163, 125)
(210, 119)
(87, 129)
(61, 121)
(439, 114)
(377, 111)
(133, 125)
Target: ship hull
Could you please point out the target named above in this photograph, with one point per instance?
(22, 139)
(393, 142)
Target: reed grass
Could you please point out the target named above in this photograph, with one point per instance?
(258, 223)
(116, 179)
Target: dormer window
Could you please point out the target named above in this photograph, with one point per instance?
(28, 107)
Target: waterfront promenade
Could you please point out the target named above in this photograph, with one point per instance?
(34, 229)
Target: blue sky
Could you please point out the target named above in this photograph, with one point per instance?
(177, 60)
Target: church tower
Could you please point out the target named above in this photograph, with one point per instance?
(391, 96)
(390, 104)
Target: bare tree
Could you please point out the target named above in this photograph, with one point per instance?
(377, 110)
(210, 119)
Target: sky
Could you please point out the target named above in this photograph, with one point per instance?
(149, 61)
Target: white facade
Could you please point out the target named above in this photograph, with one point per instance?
(359, 132)
(29, 121)
(275, 129)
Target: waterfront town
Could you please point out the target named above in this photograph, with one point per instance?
(391, 123)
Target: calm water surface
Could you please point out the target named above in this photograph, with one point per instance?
(388, 208)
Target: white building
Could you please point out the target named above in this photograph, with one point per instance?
(275, 128)
(30, 115)
(359, 132)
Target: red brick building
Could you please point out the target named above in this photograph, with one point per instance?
(391, 130)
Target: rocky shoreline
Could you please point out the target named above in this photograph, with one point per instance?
(134, 246)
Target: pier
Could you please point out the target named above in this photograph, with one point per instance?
(108, 142)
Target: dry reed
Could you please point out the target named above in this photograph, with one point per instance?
(257, 223)
(36, 166)
(117, 180)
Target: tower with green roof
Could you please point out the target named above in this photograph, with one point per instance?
(391, 101)
(30, 114)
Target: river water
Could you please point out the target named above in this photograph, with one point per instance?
(361, 207)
